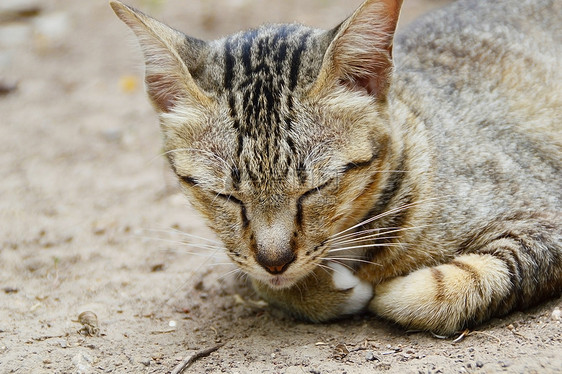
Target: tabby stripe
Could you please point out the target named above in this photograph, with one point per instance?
(235, 175)
(393, 186)
(396, 220)
(513, 264)
(469, 269)
(439, 283)
(247, 51)
(296, 60)
(228, 65)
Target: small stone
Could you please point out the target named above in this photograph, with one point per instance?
(479, 364)
(157, 267)
(556, 314)
(83, 363)
(146, 361)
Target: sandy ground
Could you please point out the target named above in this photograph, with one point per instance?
(91, 220)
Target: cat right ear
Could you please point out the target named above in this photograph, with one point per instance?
(167, 54)
(360, 53)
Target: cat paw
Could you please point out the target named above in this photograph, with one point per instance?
(361, 291)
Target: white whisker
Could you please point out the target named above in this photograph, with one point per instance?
(189, 235)
(351, 259)
(228, 273)
(384, 214)
(367, 246)
(182, 243)
(365, 239)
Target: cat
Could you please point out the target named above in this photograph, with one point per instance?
(417, 177)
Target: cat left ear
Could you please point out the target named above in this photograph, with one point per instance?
(169, 54)
(360, 53)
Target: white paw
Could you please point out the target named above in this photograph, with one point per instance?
(361, 293)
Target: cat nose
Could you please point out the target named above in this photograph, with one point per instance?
(275, 262)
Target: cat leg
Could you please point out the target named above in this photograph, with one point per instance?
(508, 273)
(329, 292)
(444, 298)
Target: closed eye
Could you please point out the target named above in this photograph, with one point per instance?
(358, 164)
(300, 200)
(228, 198)
(193, 182)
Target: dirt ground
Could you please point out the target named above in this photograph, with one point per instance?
(91, 220)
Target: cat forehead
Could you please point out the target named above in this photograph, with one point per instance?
(284, 57)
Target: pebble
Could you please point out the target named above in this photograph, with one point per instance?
(370, 356)
(83, 363)
(479, 364)
(505, 364)
(556, 314)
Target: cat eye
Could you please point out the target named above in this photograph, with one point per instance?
(300, 200)
(188, 180)
(353, 165)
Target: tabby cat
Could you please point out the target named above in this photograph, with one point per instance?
(417, 177)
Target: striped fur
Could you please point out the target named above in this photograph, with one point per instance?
(434, 182)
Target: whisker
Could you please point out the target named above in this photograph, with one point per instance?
(362, 232)
(188, 234)
(338, 262)
(228, 273)
(368, 246)
(337, 259)
(326, 268)
(365, 238)
(384, 231)
(384, 214)
(182, 243)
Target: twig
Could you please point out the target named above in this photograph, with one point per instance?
(191, 359)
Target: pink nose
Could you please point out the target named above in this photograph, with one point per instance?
(275, 262)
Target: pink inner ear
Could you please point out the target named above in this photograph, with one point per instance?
(162, 90)
(375, 84)
(372, 85)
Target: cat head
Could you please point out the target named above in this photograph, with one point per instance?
(278, 135)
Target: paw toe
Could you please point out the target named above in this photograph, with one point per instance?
(360, 292)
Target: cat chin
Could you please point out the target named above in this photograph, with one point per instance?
(278, 282)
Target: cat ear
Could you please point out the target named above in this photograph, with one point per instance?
(168, 54)
(360, 53)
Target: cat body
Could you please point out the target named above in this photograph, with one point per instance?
(427, 190)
